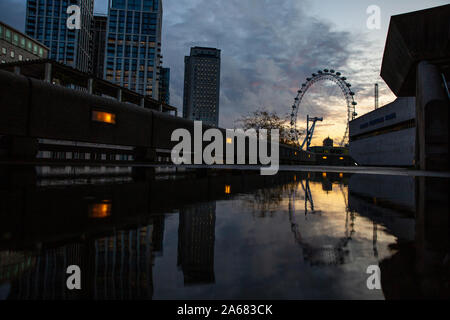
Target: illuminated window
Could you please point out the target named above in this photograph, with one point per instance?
(227, 189)
(101, 116)
(229, 140)
(341, 158)
(324, 157)
(100, 210)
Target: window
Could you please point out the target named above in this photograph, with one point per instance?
(3, 50)
(12, 54)
(20, 57)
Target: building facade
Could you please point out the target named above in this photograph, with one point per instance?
(16, 46)
(202, 85)
(98, 45)
(46, 21)
(133, 45)
(385, 136)
(164, 90)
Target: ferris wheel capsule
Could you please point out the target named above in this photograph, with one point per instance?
(313, 74)
(354, 103)
(319, 72)
(308, 79)
(348, 85)
(352, 93)
(303, 84)
(332, 71)
(344, 78)
(325, 70)
(338, 73)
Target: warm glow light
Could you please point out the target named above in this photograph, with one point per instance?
(229, 141)
(295, 178)
(309, 156)
(102, 116)
(296, 153)
(100, 210)
(341, 175)
(324, 157)
(227, 189)
(341, 158)
(324, 174)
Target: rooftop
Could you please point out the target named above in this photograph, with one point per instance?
(65, 75)
(414, 37)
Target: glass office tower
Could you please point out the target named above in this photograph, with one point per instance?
(164, 86)
(133, 48)
(46, 21)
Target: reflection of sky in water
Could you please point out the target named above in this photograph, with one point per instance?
(257, 256)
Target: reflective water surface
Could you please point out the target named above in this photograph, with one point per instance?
(291, 236)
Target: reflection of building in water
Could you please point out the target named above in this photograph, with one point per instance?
(47, 278)
(382, 198)
(118, 266)
(158, 234)
(123, 265)
(196, 235)
(421, 268)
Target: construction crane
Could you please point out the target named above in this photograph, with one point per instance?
(309, 131)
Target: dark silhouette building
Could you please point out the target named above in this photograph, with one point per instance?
(98, 46)
(164, 83)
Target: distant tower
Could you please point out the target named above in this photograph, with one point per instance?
(376, 95)
(327, 142)
(202, 85)
(99, 42)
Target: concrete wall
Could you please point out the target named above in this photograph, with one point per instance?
(395, 148)
(404, 108)
(390, 149)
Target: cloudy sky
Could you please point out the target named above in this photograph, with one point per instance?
(269, 47)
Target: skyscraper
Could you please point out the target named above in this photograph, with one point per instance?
(202, 85)
(98, 47)
(164, 86)
(133, 47)
(46, 21)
